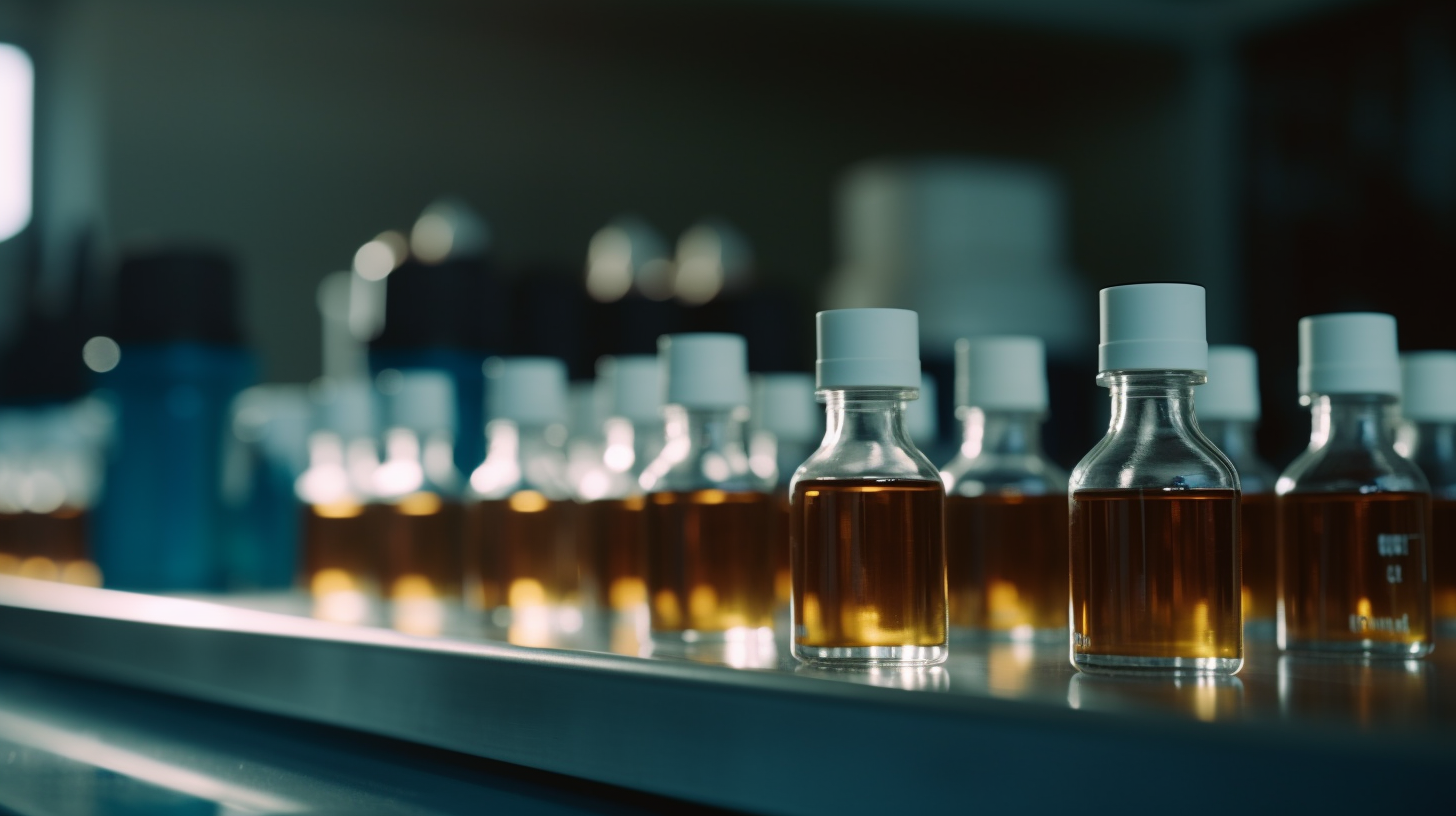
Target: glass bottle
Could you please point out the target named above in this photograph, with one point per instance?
(1354, 515)
(867, 543)
(787, 426)
(1428, 401)
(709, 567)
(1228, 413)
(1006, 503)
(420, 513)
(520, 551)
(1154, 505)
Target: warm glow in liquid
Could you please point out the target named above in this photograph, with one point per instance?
(50, 546)
(341, 559)
(1443, 552)
(1258, 540)
(1155, 574)
(521, 553)
(709, 565)
(1006, 562)
(420, 546)
(783, 577)
(869, 563)
(612, 538)
(1355, 567)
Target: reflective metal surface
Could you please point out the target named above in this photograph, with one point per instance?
(995, 724)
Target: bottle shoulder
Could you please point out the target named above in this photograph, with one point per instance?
(1029, 474)
(1362, 469)
(1155, 458)
(683, 467)
(866, 459)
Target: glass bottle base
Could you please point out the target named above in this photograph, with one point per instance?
(1138, 665)
(1359, 648)
(870, 655)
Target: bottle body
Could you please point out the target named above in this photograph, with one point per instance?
(611, 533)
(342, 563)
(420, 519)
(867, 545)
(1006, 531)
(1355, 557)
(1258, 527)
(1154, 538)
(1434, 451)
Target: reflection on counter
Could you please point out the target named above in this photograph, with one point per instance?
(907, 678)
(1367, 692)
(1207, 698)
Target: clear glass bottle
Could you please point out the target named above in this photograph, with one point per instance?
(867, 540)
(419, 509)
(1154, 505)
(1428, 400)
(1228, 413)
(1006, 503)
(709, 566)
(1354, 515)
(787, 426)
(520, 549)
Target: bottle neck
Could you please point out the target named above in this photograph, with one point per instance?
(509, 440)
(875, 415)
(704, 429)
(1352, 421)
(1146, 400)
(1000, 433)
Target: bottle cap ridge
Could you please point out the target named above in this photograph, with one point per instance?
(1152, 327)
(1348, 353)
(706, 370)
(1428, 386)
(1232, 391)
(526, 390)
(868, 348)
(1005, 373)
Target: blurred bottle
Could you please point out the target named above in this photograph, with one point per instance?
(586, 441)
(1428, 385)
(418, 489)
(50, 473)
(520, 547)
(160, 523)
(341, 545)
(1228, 414)
(922, 419)
(1006, 504)
(262, 458)
(787, 426)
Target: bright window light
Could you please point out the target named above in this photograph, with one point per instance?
(17, 100)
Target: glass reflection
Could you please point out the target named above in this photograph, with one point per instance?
(1361, 690)
(906, 678)
(1205, 698)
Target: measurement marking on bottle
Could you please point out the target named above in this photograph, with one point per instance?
(1392, 544)
(1363, 623)
(1392, 573)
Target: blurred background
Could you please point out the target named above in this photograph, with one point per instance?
(575, 178)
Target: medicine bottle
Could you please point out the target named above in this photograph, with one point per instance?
(1228, 413)
(867, 540)
(1354, 515)
(709, 569)
(1428, 402)
(1154, 505)
(787, 426)
(1006, 503)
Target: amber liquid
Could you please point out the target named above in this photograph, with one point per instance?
(1354, 571)
(783, 576)
(1258, 541)
(520, 553)
(420, 547)
(341, 559)
(613, 545)
(709, 564)
(1443, 552)
(1006, 563)
(50, 546)
(1155, 578)
(869, 563)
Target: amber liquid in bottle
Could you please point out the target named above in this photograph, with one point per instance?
(613, 543)
(1006, 563)
(1355, 569)
(50, 546)
(1155, 574)
(341, 559)
(709, 565)
(782, 521)
(420, 544)
(1443, 552)
(521, 553)
(1258, 541)
(869, 563)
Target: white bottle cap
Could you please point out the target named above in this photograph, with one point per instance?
(633, 383)
(526, 390)
(1152, 327)
(1001, 373)
(704, 370)
(1428, 386)
(868, 348)
(921, 418)
(346, 407)
(1349, 353)
(784, 405)
(425, 402)
(1232, 391)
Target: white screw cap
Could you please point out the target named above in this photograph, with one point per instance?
(708, 371)
(1232, 391)
(346, 407)
(1001, 373)
(425, 402)
(526, 390)
(921, 419)
(783, 404)
(1152, 327)
(633, 383)
(868, 348)
(1428, 386)
(1349, 353)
